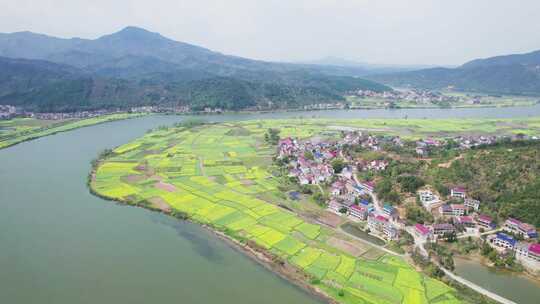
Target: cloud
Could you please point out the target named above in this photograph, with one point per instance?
(380, 31)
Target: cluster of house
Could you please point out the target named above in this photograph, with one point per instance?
(424, 146)
(413, 95)
(7, 111)
(369, 141)
(325, 106)
(382, 225)
(508, 240)
(71, 115)
(468, 142)
(312, 170)
(464, 215)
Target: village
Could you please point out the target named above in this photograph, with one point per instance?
(456, 216)
(417, 96)
(10, 112)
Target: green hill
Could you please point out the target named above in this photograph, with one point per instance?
(512, 74)
(135, 66)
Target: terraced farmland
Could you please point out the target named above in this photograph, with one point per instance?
(214, 175)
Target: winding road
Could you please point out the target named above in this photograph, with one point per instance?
(420, 244)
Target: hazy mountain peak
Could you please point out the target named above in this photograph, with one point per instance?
(134, 33)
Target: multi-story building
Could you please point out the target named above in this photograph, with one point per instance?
(458, 192)
(465, 221)
(381, 225)
(504, 240)
(428, 198)
(423, 232)
(457, 209)
(486, 221)
(358, 211)
(472, 203)
(519, 228)
(442, 229)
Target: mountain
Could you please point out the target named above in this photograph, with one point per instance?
(511, 74)
(135, 66)
(356, 68)
(528, 59)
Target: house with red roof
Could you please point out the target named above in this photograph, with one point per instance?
(457, 209)
(519, 228)
(422, 232)
(380, 224)
(534, 252)
(359, 212)
(486, 221)
(465, 221)
(368, 186)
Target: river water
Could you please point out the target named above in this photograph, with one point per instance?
(513, 287)
(59, 244)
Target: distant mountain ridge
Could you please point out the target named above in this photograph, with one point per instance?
(511, 74)
(527, 59)
(146, 67)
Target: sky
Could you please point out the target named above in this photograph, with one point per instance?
(408, 32)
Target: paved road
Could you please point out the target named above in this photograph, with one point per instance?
(477, 288)
(420, 244)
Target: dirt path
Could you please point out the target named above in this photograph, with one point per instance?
(449, 163)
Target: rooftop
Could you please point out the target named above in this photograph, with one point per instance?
(505, 237)
(458, 189)
(443, 226)
(535, 248)
(422, 229)
(485, 218)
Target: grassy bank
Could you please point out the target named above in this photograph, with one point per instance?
(20, 130)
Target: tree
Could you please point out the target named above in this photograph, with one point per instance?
(410, 183)
(338, 165)
(272, 136)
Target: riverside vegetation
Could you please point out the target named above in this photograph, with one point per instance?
(18, 130)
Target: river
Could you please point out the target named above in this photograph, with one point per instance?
(513, 287)
(60, 244)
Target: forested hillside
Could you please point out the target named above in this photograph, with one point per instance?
(136, 67)
(511, 74)
(506, 178)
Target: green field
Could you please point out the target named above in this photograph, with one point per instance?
(214, 174)
(18, 130)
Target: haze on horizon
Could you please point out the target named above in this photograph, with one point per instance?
(373, 31)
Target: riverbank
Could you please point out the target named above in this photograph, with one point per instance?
(518, 288)
(485, 262)
(352, 108)
(8, 140)
(250, 249)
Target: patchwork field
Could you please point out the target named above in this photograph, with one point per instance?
(214, 174)
(17, 130)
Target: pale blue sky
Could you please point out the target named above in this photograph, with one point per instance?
(375, 31)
